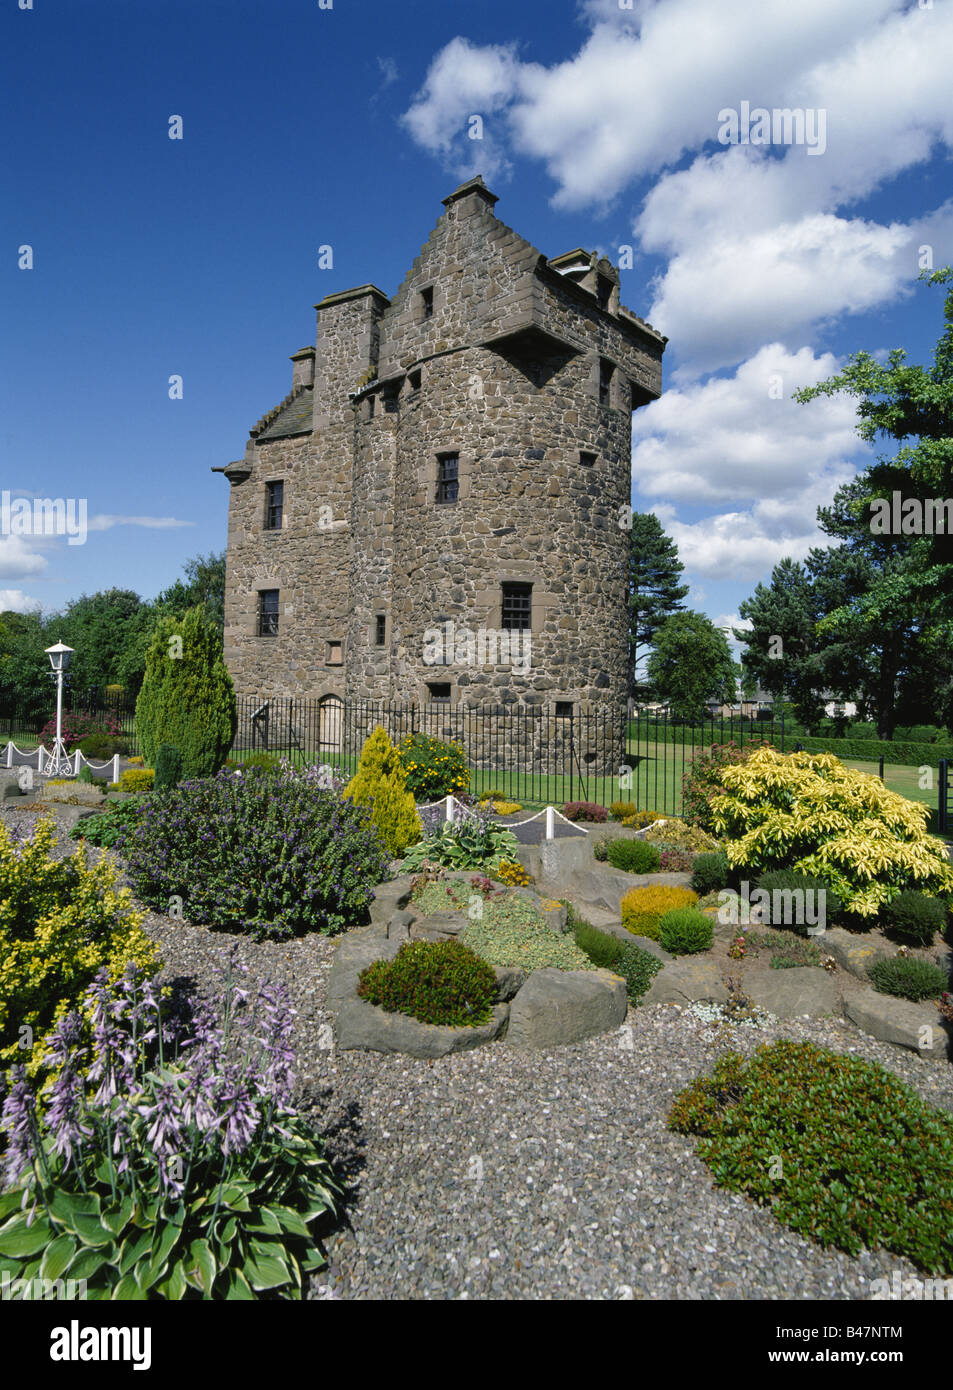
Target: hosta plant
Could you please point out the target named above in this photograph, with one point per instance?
(807, 811)
(474, 840)
(168, 1162)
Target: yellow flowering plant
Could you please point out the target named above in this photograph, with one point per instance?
(434, 768)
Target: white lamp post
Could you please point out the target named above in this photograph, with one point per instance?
(59, 764)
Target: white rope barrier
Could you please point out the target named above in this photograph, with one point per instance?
(449, 803)
(40, 752)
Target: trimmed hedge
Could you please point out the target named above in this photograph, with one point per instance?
(903, 752)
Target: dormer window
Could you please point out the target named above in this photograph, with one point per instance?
(603, 291)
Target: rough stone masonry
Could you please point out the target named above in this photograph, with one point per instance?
(455, 461)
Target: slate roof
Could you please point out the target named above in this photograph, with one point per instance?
(292, 416)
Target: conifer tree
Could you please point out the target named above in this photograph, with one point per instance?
(654, 589)
(380, 783)
(187, 697)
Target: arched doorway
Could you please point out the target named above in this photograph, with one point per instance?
(330, 723)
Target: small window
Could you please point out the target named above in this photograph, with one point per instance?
(414, 381)
(426, 302)
(605, 381)
(448, 477)
(335, 656)
(274, 503)
(564, 709)
(380, 629)
(603, 291)
(391, 401)
(370, 406)
(439, 692)
(586, 458)
(268, 613)
(517, 607)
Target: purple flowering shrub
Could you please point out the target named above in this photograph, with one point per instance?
(166, 1161)
(268, 851)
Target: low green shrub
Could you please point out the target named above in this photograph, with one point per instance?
(642, 909)
(788, 903)
(601, 948)
(105, 829)
(863, 1160)
(100, 747)
(914, 916)
(637, 967)
(908, 978)
(685, 931)
(442, 982)
(85, 775)
(710, 873)
(634, 856)
(600, 850)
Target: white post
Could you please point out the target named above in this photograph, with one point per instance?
(10, 753)
(39, 758)
(550, 823)
(448, 815)
(115, 767)
(76, 759)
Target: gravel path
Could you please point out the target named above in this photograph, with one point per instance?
(546, 1175)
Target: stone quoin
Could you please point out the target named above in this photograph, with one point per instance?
(457, 454)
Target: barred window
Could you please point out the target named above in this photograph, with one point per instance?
(517, 606)
(274, 503)
(439, 692)
(268, 613)
(448, 477)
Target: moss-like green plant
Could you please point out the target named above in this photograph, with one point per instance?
(634, 856)
(863, 1160)
(441, 982)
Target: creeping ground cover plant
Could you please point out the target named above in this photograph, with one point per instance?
(168, 1162)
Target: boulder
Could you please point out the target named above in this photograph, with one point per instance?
(509, 980)
(353, 953)
(853, 953)
(399, 924)
(439, 926)
(686, 981)
(564, 1006)
(803, 989)
(917, 1026)
(390, 896)
(364, 1027)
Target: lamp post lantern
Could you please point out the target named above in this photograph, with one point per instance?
(59, 764)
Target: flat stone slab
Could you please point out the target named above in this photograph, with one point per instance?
(792, 993)
(390, 896)
(852, 953)
(364, 1027)
(686, 981)
(564, 1006)
(353, 953)
(439, 926)
(916, 1026)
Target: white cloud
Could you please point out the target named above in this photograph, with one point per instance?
(740, 546)
(105, 522)
(730, 438)
(16, 601)
(18, 560)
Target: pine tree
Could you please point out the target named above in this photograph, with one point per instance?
(187, 697)
(380, 783)
(654, 591)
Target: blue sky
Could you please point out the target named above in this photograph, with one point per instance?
(306, 126)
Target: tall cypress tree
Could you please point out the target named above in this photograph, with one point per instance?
(654, 589)
(187, 697)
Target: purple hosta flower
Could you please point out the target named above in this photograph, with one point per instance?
(238, 1114)
(113, 1049)
(18, 1122)
(64, 1116)
(277, 1077)
(166, 1132)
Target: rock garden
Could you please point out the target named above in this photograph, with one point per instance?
(540, 1068)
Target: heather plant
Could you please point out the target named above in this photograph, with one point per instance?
(675, 861)
(710, 873)
(908, 978)
(637, 967)
(863, 1161)
(440, 982)
(432, 767)
(270, 852)
(642, 909)
(915, 917)
(634, 856)
(809, 812)
(585, 811)
(684, 931)
(61, 921)
(187, 696)
(473, 840)
(168, 1161)
(380, 784)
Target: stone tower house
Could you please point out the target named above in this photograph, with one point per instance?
(433, 512)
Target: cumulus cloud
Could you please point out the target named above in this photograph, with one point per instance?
(18, 559)
(730, 437)
(16, 601)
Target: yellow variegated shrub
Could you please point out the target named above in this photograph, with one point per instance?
(60, 922)
(808, 811)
